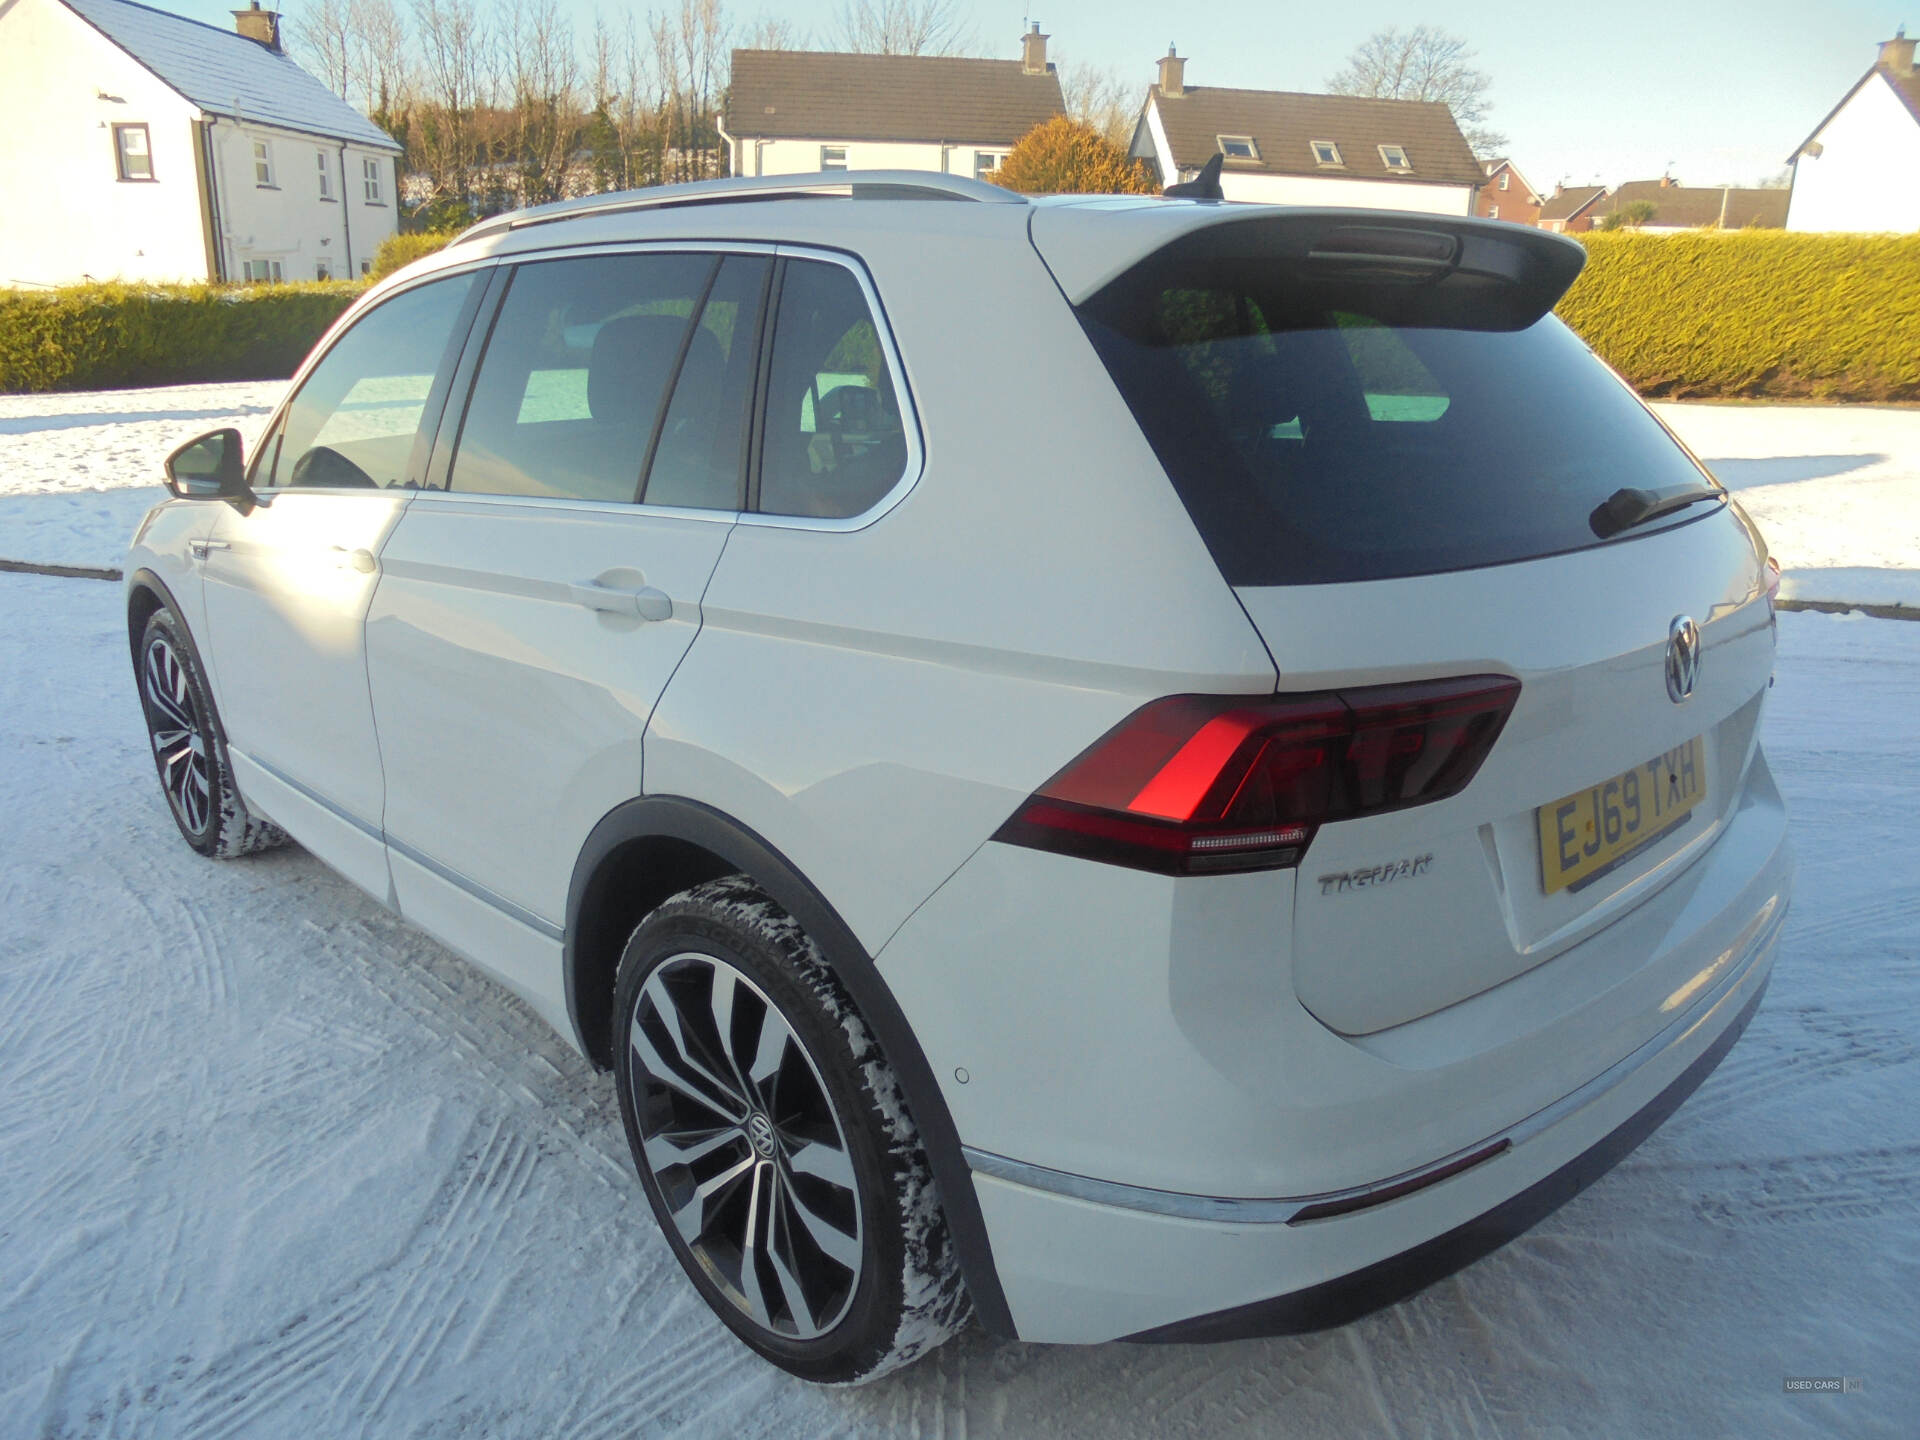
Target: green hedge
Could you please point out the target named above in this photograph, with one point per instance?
(105, 337)
(1754, 313)
(398, 250)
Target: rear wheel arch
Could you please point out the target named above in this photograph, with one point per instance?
(647, 850)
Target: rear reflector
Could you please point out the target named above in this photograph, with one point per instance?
(1205, 784)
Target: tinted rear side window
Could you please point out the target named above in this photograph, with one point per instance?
(1313, 441)
(575, 374)
(700, 460)
(834, 441)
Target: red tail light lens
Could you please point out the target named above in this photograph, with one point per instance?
(1202, 784)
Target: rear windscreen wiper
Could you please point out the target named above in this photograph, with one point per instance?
(1628, 507)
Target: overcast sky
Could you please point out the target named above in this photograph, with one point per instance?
(1722, 90)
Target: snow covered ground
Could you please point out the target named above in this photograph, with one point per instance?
(1836, 489)
(273, 1164)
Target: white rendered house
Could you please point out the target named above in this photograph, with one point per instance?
(1860, 168)
(792, 112)
(141, 145)
(1281, 148)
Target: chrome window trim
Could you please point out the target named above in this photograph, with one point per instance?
(1739, 960)
(450, 498)
(883, 327)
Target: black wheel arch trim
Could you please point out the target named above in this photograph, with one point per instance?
(674, 818)
(144, 579)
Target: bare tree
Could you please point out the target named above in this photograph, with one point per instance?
(381, 57)
(903, 27)
(546, 123)
(1098, 97)
(1424, 63)
(322, 36)
(453, 45)
(774, 32)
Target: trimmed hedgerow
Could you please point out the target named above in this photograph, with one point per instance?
(1754, 313)
(105, 337)
(398, 250)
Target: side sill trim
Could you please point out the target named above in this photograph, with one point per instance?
(1303, 1209)
(453, 877)
(372, 832)
(509, 908)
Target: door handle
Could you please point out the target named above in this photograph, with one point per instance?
(644, 602)
(199, 548)
(361, 560)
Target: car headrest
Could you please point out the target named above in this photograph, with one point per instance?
(632, 357)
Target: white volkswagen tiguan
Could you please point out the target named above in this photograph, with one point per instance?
(1129, 767)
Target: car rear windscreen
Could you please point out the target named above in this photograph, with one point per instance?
(1315, 436)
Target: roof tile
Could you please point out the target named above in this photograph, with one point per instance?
(224, 73)
(1283, 124)
(800, 94)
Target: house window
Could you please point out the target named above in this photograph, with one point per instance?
(833, 157)
(262, 164)
(1505, 176)
(984, 164)
(326, 175)
(370, 180)
(1395, 157)
(321, 270)
(130, 150)
(260, 272)
(1493, 212)
(1238, 147)
(366, 267)
(1325, 152)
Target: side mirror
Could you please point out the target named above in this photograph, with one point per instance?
(210, 468)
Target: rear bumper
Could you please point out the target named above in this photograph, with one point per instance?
(1080, 1270)
(1385, 1282)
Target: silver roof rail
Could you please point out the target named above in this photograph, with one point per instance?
(851, 184)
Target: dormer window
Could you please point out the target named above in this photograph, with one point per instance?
(1238, 147)
(1505, 176)
(1325, 152)
(1394, 157)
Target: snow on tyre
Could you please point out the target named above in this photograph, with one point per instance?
(774, 1144)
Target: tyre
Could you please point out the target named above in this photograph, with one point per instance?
(190, 749)
(773, 1143)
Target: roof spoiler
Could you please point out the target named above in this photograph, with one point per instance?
(1440, 270)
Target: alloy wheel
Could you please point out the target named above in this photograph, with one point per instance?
(179, 735)
(744, 1145)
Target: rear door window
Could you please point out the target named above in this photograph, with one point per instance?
(1316, 436)
(575, 374)
(700, 459)
(834, 440)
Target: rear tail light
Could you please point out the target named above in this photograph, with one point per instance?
(1203, 784)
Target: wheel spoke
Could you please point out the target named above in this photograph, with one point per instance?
(657, 1068)
(753, 1244)
(823, 1162)
(780, 1253)
(768, 1055)
(668, 1009)
(690, 1216)
(683, 1147)
(835, 1243)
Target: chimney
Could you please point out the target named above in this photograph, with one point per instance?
(1897, 54)
(1033, 51)
(1173, 74)
(260, 26)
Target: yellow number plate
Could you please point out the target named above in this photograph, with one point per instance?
(1587, 833)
